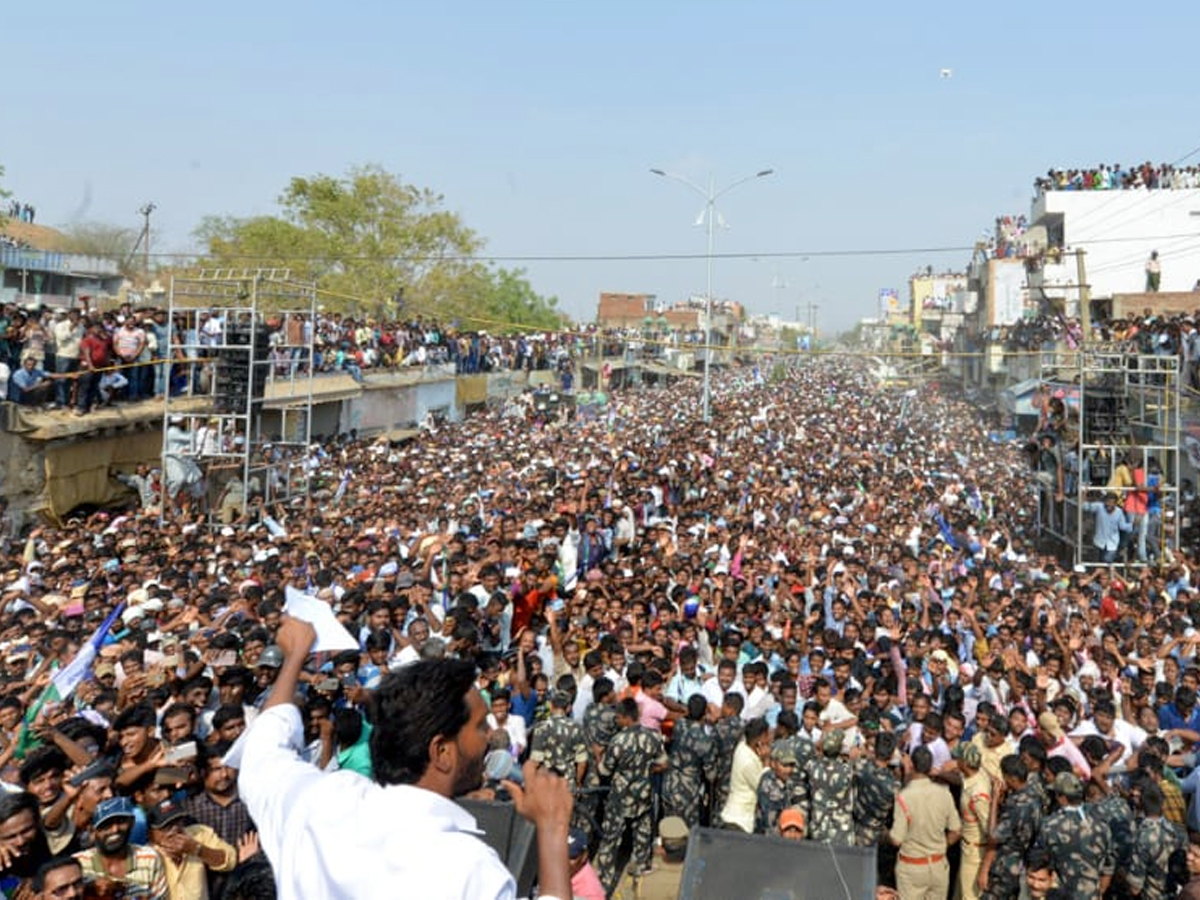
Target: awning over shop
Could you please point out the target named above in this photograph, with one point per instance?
(1018, 400)
(615, 365)
(78, 472)
(658, 368)
(399, 435)
(325, 389)
(471, 389)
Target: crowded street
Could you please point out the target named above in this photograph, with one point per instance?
(779, 621)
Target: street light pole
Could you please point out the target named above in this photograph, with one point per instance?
(144, 211)
(705, 413)
(710, 210)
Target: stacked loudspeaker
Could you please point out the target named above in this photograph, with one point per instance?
(513, 837)
(236, 377)
(724, 864)
(1105, 417)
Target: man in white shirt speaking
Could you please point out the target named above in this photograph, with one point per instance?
(343, 836)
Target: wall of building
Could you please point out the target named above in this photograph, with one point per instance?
(623, 310)
(22, 472)
(1118, 230)
(1161, 303)
(383, 410)
(939, 291)
(1007, 295)
(31, 450)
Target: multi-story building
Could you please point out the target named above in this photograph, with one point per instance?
(617, 310)
(1118, 230)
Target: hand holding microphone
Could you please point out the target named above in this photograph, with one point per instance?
(499, 765)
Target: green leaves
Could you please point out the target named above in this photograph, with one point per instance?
(365, 235)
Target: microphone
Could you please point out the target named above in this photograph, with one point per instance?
(499, 765)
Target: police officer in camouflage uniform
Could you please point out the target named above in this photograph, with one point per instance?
(1016, 819)
(1156, 840)
(692, 764)
(875, 789)
(830, 781)
(787, 731)
(558, 742)
(1078, 842)
(559, 745)
(1034, 755)
(599, 728)
(634, 755)
(1115, 811)
(774, 793)
(728, 734)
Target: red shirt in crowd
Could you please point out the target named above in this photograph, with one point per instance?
(95, 350)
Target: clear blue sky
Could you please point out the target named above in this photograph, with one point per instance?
(538, 121)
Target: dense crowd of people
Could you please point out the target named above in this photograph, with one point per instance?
(1146, 333)
(1116, 177)
(822, 616)
(1008, 240)
(12, 242)
(81, 358)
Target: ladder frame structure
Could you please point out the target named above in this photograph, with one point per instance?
(271, 467)
(1145, 422)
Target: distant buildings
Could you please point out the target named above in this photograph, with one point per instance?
(33, 274)
(1118, 230)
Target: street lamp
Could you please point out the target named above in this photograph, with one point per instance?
(710, 199)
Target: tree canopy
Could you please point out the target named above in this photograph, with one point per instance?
(102, 240)
(375, 244)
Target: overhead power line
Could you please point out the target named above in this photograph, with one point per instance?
(843, 252)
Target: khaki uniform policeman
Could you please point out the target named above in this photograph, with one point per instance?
(925, 823)
(975, 806)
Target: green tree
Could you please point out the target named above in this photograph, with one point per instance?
(103, 240)
(853, 337)
(513, 299)
(366, 236)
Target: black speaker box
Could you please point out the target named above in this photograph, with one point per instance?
(724, 864)
(512, 836)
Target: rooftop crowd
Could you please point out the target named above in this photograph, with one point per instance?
(821, 616)
(1146, 333)
(1116, 177)
(22, 212)
(82, 358)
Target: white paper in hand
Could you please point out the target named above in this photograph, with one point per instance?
(331, 634)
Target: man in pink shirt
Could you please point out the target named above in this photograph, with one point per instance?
(651, 710)
(1050, 733)
(585, 883)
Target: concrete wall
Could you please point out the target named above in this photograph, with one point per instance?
(387, 408)
(22, 472)
(624, 310)
(1169, 304)
(373, 409)
(1119, 229)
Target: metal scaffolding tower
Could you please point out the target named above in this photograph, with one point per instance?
(243, 341)
(1128, 411)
